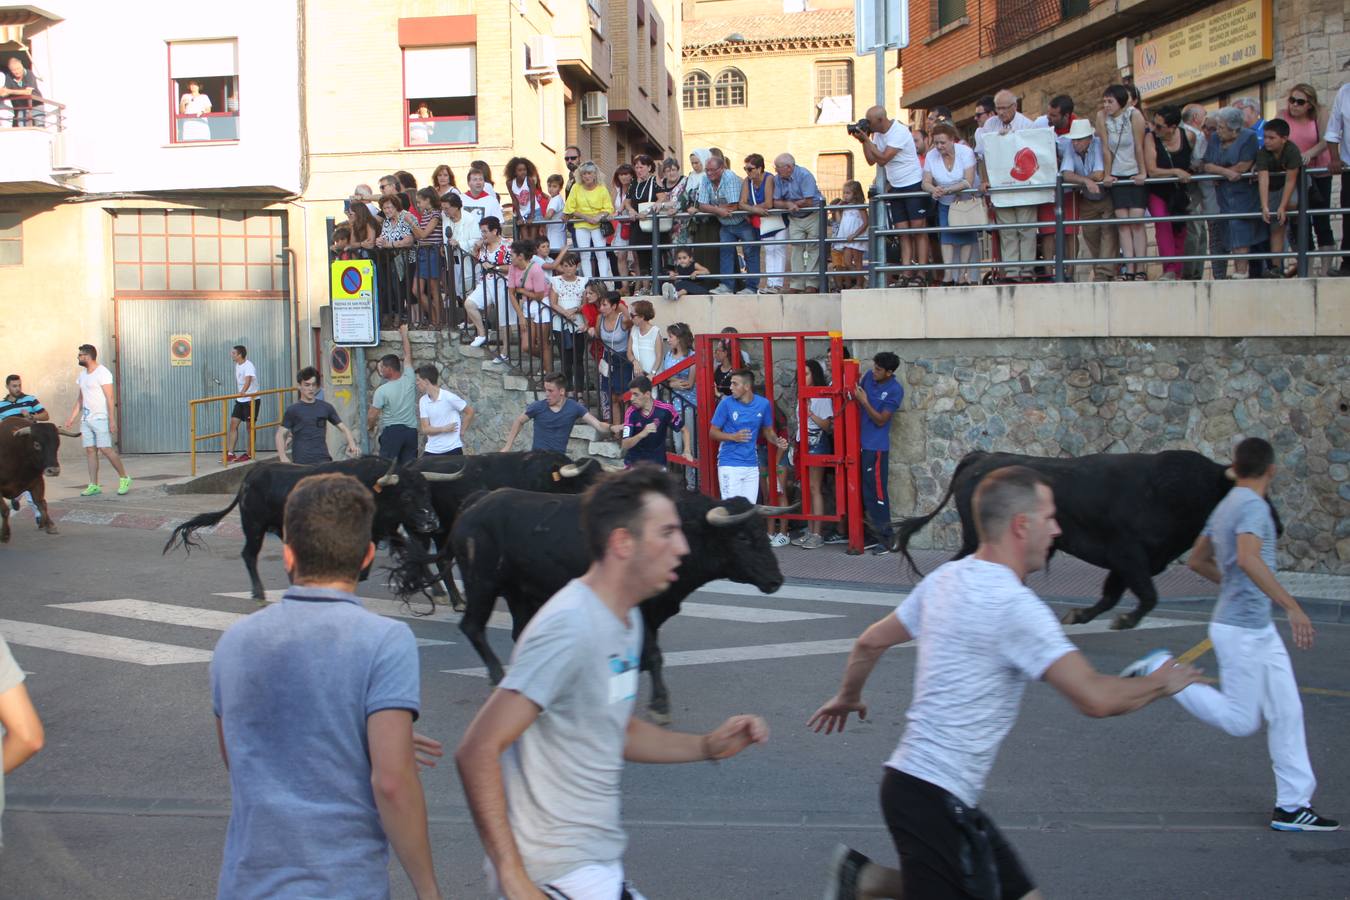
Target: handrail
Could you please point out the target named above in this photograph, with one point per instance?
(225, 422)
(36, 112)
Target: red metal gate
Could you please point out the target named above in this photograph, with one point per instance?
(844, 461)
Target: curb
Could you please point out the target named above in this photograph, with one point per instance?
(144, 521)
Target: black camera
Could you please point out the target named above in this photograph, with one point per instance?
(860, 127)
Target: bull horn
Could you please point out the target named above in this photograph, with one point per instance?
(770, 511)
(720, 516)
(64, 433)
(388, 478)
(573, 470)
(1230, 473)
(20, 432)
(443, 476)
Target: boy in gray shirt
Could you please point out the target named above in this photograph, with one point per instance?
(1237, 551)
(548, 811)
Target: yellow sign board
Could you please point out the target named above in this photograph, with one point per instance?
(180, 350)
(1238, 37)
(353, 299)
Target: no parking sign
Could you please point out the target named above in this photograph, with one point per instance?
(355, 315)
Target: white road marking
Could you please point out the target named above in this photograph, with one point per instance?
(102, 646)
(1102, 624)
(806, 592)
(747, 613)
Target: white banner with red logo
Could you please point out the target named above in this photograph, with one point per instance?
(1018, 159)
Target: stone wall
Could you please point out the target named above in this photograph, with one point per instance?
(1075, 396)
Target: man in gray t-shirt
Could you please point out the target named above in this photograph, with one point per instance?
(981, 635)
(1256, 680)
(541, 762)
(553, 417)
(20, 727)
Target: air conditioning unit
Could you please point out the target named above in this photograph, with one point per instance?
(541, 57)
(595, 108)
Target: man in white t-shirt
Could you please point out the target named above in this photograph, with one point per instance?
(96, 410)
(245, 404)
(981, 635)
(443, 416)
(542, 761)
(1015, 244)
(892, 145)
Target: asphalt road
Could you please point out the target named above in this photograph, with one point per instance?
(129, 798)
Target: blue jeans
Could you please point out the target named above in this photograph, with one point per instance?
(398, 442)
(876, 495)
(748, 235)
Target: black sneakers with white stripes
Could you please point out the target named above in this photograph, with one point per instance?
(846, 867)
(1303, 819)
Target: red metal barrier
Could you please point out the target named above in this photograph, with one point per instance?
(843, 461)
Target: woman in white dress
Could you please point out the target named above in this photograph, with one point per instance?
(192, 106)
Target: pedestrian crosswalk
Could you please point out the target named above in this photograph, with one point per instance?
(723, 602)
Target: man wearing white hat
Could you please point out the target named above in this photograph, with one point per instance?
(1081, 162)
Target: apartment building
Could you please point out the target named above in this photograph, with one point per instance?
(775, 76)
(1175, 52)
(143, 201)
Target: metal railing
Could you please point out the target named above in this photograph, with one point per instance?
(1018, 20)
(227, 407)
(39, 113)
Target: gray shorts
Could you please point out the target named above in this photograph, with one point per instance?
(94, 432)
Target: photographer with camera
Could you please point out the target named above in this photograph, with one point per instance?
(889, 143)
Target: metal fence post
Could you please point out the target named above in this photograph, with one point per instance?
(1059, 228)
(823, 263)
(876, 241)
(1304, 183)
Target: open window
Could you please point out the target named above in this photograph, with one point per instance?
(440, 95)
(204, 91)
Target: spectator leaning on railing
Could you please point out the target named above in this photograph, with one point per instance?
(799, 197)
(1082, 165)
(891, 145)
(720, 195)
(1015, 244)
(1232, 155)
(1338, 146)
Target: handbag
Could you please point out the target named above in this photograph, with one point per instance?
(968, 212)
(771, 223)
(646, 212)
(607, 228)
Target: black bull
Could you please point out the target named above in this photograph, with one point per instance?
(1129, 513)
(545, 471)
(28, 450)
(402, 497)
(526, 546)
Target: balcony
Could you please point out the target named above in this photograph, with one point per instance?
(583, 53)
(33, 146)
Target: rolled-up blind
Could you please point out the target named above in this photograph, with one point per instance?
(202, 59)
(438, 72)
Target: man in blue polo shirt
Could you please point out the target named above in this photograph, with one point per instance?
(646, 425)
(879, 395)
(737, 421)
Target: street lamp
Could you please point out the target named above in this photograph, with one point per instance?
(734, 38)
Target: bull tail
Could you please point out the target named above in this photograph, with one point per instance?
(185, 534)
(911, 526)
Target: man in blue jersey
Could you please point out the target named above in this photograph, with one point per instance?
(879, 395)
(646, 425)
(1256, 680)
(736, 423)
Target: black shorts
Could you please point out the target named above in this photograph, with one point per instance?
(245, 412)
(908, 209)
(946, 848)
(1125, 194)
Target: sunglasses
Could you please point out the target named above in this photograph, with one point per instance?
(1298, 101)
(571, 158)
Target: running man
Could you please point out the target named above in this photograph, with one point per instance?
(245, 403)
(302, 436)
(981, 635)
(541, 762)
(1237, 552)
(96, 408)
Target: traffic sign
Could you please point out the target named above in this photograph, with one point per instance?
(880, 25)
(353, 297)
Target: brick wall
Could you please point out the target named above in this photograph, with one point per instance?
(926, 61)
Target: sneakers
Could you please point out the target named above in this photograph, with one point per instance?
(1147, 664)
(721, 289)
(881, 549)
(778, 540)
(478, 341)
(91, 490)
(746, 291)
(836, 538)
(811, 542)
(845, 870)
(1301, 819)
(501, 360)
(237, 458)
(668, 291)
(123, 484)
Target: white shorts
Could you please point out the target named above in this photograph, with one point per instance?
(592, 882)
(739, 481)
(94, 431)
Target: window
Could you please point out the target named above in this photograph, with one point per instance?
(834, 79)
(202, 251)
(950, 11)
(832, 170)
(440, 91)
(11, 239)
(729, 89)
(204, 91)
(697, 90)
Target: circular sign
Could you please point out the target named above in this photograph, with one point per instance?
(340, 360)
(181, 348)
(351, 279)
